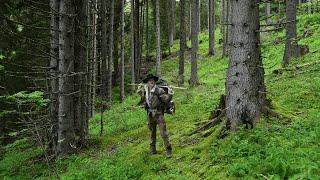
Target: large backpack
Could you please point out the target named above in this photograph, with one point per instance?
(169, 105)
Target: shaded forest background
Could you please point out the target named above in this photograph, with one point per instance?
(83, 123)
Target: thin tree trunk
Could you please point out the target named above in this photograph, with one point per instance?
(211, 27)
(245, 76)
(182, 42)
(268, 13)
(194, 81)
(170, 36)
(95, 63)
(89, 67)
(80, 118)
(173, 14)
(54, 64)
(199, 16)
(141, 32)
(226, 28)
(116, 40)
(158, 39)
(172, 22)
(137, 39)
(291, 47)
(132, 48)
(66, 134)
(109, 76)
(190, 18)
(147, 29)
(223, 27)
(122, 95)
(104, 50)
(229, 24)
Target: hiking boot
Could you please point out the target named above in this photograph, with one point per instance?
(169, 152)
(153, 150)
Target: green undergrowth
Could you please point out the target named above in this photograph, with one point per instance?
(274, 149)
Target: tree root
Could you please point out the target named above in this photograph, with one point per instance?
(209, 124)
(220, 111)
(215, 117)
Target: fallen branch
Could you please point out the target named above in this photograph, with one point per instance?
(209, 124)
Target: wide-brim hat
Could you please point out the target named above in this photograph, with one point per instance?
(150, 76)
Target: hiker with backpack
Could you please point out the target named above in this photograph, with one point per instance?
(156, 96)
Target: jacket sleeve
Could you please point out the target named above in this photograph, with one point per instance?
(142, 94)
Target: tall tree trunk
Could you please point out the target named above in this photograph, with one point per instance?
(104, 50)
(225, 27)
(173, 15)
(89, 60)
(94, 55)
(199, 16)
(158, 37)
(194, 81)
(245, 75)
(190, 19)
(80, 120)
(169, 24)
(172, 22)
(132, 49)
(182, 42)
(291, 48)
(122, 52)
(109, 76)
(211, 27)
(54, 65)
(116, 40)
(268, 13)
(147, 29)
(137, 39)
(229, 24)
(66, 134)
(141, 32)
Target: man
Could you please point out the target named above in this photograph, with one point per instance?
(154, 99)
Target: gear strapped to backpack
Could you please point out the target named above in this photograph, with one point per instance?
(165, 98)
(168, 103)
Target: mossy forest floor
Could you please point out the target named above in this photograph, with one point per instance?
(274, 149)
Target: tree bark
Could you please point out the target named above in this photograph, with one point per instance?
(66, 134)
(182, 42)
(199, 16)
(245, 75)
(132, 48)
(137, 39)
(268, 13)
(122, 95)
(172, 22)
(194, 81)
(109, 76)
(94, 55)
(158, 39)
(54, 62)
(80, 119)
(104, 50)
(292, 49)
(225, 27)
(147, 29)
(211, 27)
